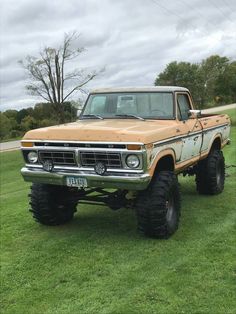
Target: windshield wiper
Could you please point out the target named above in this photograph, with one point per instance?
(130, 115)
(93, 115)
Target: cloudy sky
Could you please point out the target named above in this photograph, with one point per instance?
(132, 39)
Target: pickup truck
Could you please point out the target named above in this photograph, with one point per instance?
(126, 150)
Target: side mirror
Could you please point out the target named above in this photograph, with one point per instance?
(195, 113)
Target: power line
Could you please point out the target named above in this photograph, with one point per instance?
(226, 3)
(168, 11)
(221, 11)
(200, 12)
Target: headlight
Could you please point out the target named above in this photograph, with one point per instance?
(32, 157)
(132, 161)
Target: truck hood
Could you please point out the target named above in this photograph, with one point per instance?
(108, 130)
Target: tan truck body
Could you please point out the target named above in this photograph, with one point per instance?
(183, 143)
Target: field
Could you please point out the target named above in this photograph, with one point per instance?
(100, 264)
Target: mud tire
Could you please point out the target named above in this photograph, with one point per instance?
(158, 207)
(210, 175)
(51, 204)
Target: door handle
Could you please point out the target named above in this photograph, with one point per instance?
(195, 138)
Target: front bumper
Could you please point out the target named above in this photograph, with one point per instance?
(125, 181)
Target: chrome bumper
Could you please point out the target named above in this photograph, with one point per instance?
(125, 181)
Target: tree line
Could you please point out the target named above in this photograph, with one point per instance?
(15, 123)
(212, 82)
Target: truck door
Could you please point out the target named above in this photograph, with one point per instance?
(192, 135)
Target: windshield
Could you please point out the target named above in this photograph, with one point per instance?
(156, 105)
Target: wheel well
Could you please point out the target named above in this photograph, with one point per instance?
(216, 145)
(165, 163)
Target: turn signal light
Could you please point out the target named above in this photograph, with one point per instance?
(27, 144)
(133, 147)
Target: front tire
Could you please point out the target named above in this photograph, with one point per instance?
(51, 204)
(158, 207)
(210, 176)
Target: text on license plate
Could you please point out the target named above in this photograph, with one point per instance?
(76, 182)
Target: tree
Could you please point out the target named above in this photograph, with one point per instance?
(22, 114)
(5, 126)
(209, 81)
(50, 77)
(181, 74)
(28, 123)
(225, 86)
(210, 69)
(12, 116)
(11, 113)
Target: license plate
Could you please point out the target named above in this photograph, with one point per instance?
(76, 182)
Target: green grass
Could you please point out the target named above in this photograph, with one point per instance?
(99, 263)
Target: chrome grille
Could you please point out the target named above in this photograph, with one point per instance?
(111, 160)
(66, 158)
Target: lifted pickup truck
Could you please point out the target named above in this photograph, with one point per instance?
(126, 150)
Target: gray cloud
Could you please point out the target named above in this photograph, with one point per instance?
(132, 39)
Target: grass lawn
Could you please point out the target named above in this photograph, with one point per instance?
(98, 263)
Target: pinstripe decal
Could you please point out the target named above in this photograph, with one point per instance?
(180, 137)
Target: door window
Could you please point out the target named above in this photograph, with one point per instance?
(183, 106)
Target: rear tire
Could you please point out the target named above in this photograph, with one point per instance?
(210, 176)
(51, 204)
(158, 207)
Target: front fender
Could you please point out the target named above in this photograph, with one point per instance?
(163, 153)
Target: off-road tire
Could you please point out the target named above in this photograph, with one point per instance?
(51, 204)
(158, 207)
(210, 175)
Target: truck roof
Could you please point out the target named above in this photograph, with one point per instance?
(140, 89)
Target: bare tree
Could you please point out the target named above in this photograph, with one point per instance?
(49, 76)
